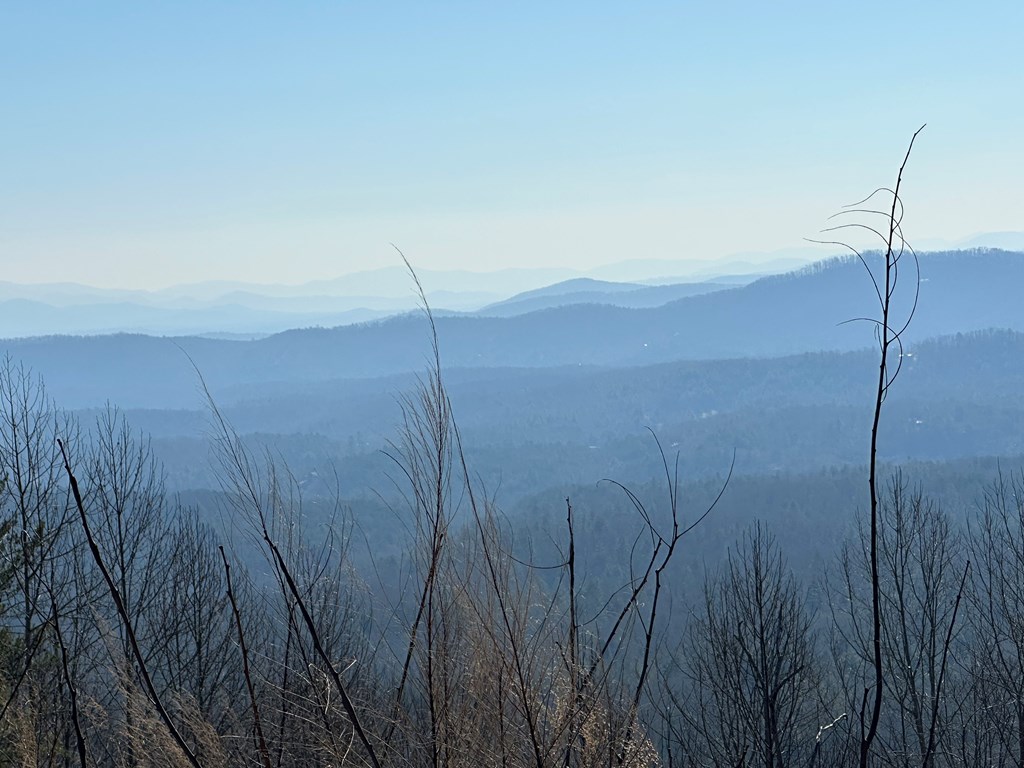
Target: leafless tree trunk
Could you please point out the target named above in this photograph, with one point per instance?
(889, 330)
(921, 573)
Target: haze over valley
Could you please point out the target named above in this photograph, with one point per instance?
(562, 386)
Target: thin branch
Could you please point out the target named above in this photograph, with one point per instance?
(261, 742)
(72, 690)
(884, 381)
(122, 611)
(930, 751)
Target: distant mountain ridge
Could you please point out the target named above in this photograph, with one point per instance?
(218, 307)
(24, 317)
(587, 291)
(782, 315)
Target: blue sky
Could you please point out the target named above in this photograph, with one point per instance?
(144, 144)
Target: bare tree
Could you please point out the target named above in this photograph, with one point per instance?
(889, 331)
(921, 571)
(131, 519)
(192, 641)
(750, 666)
(35, 550)
(997, 617)
(32, 500)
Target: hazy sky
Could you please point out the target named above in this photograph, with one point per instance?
(143, 144)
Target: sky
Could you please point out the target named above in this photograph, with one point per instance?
(147, 144)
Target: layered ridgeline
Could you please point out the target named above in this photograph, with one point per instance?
(565, 395)
(804, 311)
(232, 308)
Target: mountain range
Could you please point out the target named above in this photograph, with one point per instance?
(251, 310)
(805, 311)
